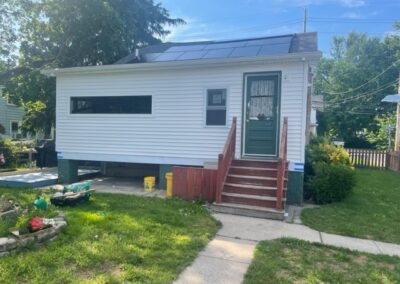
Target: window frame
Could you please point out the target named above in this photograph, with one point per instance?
(111, 115)
(205, 107)
(19, 131)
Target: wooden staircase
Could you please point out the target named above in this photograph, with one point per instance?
(251, 187)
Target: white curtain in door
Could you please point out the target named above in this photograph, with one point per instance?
(261, 98)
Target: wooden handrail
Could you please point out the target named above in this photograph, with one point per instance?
(225, 160)
(282, 164)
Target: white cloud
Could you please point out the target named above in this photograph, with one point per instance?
(191, 31)
(351, 15)
(352, 3)
(196, 31)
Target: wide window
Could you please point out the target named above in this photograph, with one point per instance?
(216, 107)
(116, 105)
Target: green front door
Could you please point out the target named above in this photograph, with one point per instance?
(261, 114)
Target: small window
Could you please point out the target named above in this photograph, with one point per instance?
(112, 105)
(216, 107)
(14, 127)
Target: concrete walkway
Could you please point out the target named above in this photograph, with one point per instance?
(227, 257)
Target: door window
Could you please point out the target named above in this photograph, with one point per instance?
(261, 104)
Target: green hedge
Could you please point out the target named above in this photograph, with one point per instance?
(329, 175)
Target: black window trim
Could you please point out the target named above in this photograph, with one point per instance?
(206, 107)
(70, 112)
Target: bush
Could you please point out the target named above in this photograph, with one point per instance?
(329, 175)
(331, 182)
(8, 150)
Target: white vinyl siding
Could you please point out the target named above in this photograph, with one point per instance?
(9, 113)
(175, 132)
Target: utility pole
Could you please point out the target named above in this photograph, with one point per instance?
(397, 137)
(305, 20)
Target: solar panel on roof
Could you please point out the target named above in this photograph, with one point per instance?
(218, 53)
(151, 56)
(185, 48)
(274, 49)
(269, 41)
(225, 45)
(168, 56)
(192, 55)
(245, 51)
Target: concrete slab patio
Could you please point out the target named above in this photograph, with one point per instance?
(129, 186)
(227, 257)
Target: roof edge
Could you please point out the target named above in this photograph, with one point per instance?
(290, 57)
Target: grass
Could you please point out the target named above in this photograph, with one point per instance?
(114, 239)
(296, 261)
(372, 211)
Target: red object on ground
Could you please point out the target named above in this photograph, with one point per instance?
(36, 224)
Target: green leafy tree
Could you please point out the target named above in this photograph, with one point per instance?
(360, 72)
(11, 13)
(69, 33)
(380, 136)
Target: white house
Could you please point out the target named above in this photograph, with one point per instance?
(10, 118)
(173, 104)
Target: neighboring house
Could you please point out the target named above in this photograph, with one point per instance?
(10, 117)
(317, 104)
(174, 103)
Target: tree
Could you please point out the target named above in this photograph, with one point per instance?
(69, 33)
(11, 12)
(380, 136)
(361, 71)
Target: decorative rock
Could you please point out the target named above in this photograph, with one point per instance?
(9, 214)
(25, 242)
(62, 223)
(11, 243)
(53, 238)
(3, 244)
(37, 238)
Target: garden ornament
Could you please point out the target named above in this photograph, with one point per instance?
(40, 203)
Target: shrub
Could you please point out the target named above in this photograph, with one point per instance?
(329, 175)
(8, 150)
(331, 182)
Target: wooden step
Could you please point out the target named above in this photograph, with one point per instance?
(251, 189)
(251, 180)
(255, 163)
(250, 199)
(253, 171)
(249, 211)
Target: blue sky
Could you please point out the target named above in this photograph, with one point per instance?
(233, 19)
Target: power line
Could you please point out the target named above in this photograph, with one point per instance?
(352, 21)
(368, 93)
(365, 94)
(366, 83)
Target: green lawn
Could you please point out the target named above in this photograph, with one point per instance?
(371, 212)
(114, 239)
(295, 261)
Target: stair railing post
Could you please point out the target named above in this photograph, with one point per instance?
(219, 179)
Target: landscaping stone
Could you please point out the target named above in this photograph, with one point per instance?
(3, 244)
(9, 214)
(8, 244)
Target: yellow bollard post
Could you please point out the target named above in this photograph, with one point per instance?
(169, 177)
